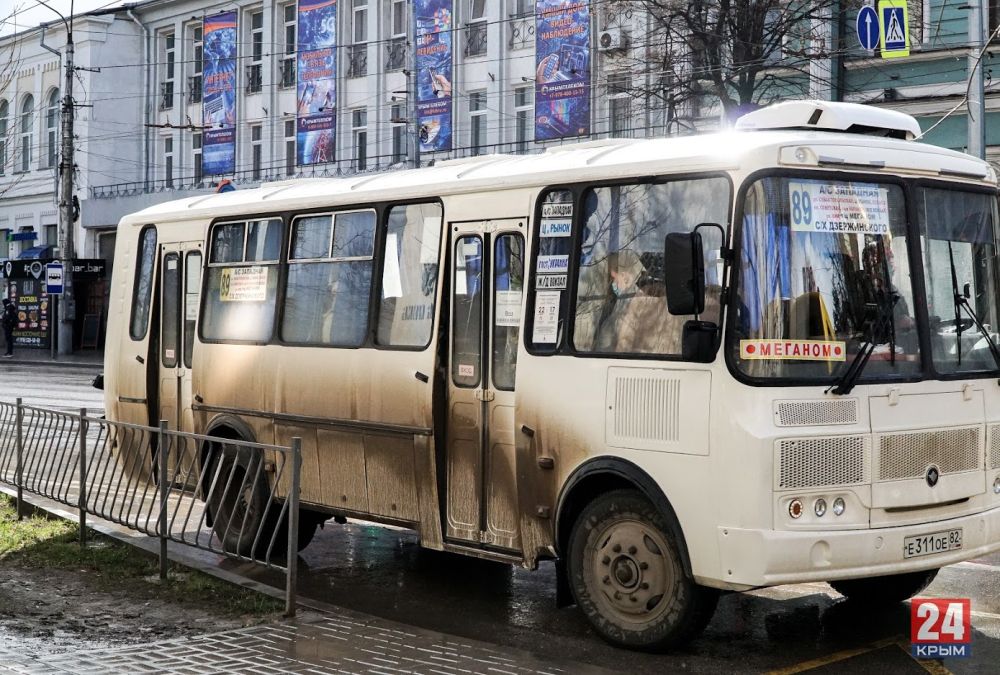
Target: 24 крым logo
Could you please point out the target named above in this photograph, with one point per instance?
(940, 628)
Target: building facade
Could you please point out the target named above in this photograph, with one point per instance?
(147, 102)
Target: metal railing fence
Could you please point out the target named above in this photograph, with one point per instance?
(231, 497)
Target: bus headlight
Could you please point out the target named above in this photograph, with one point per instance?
(839, 506)
(819, 507)
(996, 485)
(795, 508)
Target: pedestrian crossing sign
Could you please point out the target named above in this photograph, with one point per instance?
(895, 31)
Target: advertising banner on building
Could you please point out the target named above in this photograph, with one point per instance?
(435, 21)
(316, 115)
(562, 69)
(218, 98)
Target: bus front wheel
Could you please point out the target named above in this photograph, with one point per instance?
(627, 577)
(887, 590)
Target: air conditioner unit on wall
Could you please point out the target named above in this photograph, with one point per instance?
(611, 40)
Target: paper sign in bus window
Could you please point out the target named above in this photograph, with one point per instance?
(243, 284)
(836, 208)
(798, 350)
(507, 309)
(550, 281)
(556, 227)
(546, 317)
(549, 264)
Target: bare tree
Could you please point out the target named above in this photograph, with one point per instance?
(741, 54)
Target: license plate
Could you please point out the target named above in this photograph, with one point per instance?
(928, 544)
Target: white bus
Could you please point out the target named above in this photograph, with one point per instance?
(675, 366)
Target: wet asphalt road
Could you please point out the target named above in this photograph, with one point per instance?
(382, 571)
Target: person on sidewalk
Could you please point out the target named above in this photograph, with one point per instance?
(9, 320)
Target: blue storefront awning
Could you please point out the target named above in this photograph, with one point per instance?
(36, 253)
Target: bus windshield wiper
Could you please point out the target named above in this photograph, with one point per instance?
(962, 302)
(877, 324)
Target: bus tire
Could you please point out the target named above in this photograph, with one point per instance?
(251, 509)
(626, 575)
(888, 590)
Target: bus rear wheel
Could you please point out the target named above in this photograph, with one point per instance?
(243, 512)
(888, 590)
(627, 577)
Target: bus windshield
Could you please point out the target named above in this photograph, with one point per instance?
(824, 274)
(823, 271)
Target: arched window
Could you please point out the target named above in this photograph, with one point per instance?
(52, 128)
(4, 110)
(27, 129)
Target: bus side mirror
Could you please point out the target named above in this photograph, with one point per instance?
(684, 273)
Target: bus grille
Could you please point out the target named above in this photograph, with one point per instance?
(907, 455)
(810, 413)
(817, 462)
(995, 446)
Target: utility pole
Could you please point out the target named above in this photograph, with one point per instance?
(976, 100)
(67, 305)
(411, 91)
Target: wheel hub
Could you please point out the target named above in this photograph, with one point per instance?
(631, 570)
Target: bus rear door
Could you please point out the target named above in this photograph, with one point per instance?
(180, 285)
(487, 284)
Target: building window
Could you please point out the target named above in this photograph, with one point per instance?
(477, 122)
(27, 130)
(398, 122)
(4, 111)
(358, 54)
(523, 7)
(196, 157)
(475, 31)
(524, 118)
(194, 82)
(290, 147)
(51, 235)
(396, 47)
(359, 129)
(256, 135)
(4, 244)
(619, 106)
(168, 162)
(167, 85)
(255, 80)
(52, 128)
(288, 61)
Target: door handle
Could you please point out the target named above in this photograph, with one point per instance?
(485, 395)
(139, 359)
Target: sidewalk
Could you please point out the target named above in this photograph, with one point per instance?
(90, 358)
(342, 642)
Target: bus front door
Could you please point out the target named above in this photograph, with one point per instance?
(487, 285)
(180, 285)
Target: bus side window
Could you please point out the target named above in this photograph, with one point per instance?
(329, 279)
(550, 273)
(241, 282)
(409, 275)
(142, 292)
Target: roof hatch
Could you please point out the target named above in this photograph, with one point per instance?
(852, 118)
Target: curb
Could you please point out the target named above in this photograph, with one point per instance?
(54, 362)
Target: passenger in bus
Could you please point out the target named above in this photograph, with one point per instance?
(635, 318)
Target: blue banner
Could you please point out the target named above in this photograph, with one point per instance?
(562, 69)
(434, 26)
(316, 114)
(218, 98)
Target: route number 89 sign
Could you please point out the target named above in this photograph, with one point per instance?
(838, 208)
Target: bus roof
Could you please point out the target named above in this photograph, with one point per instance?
(597, 160)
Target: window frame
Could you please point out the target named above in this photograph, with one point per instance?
(135, 282)
(915, 259)
(287, 262)
(4, 122)
(207, 264)
(567, 311)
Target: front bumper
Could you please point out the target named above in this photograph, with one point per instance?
(754, 558)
